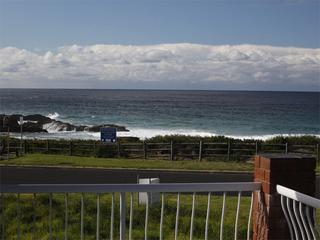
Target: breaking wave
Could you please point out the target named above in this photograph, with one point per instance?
(53, 127)
(56, 127)
(53, 116)
(149, 133)
(56, 131)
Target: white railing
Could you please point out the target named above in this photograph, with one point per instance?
(128, 189)
(300, 212)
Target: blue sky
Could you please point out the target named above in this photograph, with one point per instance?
(48, 24)
(175, 44)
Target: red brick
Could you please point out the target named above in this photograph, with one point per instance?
(265, 163)
(287, 170)
(256, 173)
(257, 161)
(259, 173)
(266, 187)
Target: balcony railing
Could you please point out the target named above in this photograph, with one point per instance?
(300, 212)
(206, 190)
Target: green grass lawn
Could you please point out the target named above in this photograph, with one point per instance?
(42, 212)
(58, 214)
(62, 160)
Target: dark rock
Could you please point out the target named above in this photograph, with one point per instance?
(12, 121)
(37, 117)
(36, 123)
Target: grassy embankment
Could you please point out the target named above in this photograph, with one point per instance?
(100, 160)
(62, 160)
(107, 156)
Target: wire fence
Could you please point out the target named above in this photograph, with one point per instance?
(197, 151)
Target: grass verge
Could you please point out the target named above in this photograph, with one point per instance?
(61, 160)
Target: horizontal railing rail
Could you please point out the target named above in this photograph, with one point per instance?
(300, 212)
(109, 188)
(300, 197)
(125, 190)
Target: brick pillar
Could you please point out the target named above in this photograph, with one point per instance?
(293, 171)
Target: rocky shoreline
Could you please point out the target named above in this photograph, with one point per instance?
(36, 123)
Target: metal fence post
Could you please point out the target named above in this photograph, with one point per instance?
(25, 146)
(94, 148)
(144, 150)
(257, 150)
(122, 216)
(200, 151)
(47, 146)
(8, 145)
(229, 150)
(171, 151)
(317, 152)
(70, 147)
(286, 148)
(119, 148)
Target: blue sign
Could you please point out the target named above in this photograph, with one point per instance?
(108, 135)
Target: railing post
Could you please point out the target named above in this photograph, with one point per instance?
(8, 145)
(317, 152)
(119, 149)
(122, 216)
(257, 149)
(25, 146)
(171, 151)
(47, 146)
(229, 149)
(286, 147)
(71, 147)
(200, 151)
(144, 150)
(292, 171)
(94, 148)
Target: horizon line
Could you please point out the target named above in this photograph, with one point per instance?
(163, 89)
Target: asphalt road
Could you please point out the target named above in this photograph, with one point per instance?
(27, 175)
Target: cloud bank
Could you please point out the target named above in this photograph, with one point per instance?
(170, 66)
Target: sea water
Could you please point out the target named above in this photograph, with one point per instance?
(147, 113)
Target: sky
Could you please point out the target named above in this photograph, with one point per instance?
(162, 44)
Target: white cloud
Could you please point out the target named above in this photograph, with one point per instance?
(183, 64)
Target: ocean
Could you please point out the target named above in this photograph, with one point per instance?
(147, 113)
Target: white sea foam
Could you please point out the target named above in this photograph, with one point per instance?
(56, 131)
(53, 116)
(53, 133)
(28, 121)
(269, 136)
(142, 133)
(149, 133)
(55, 127)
